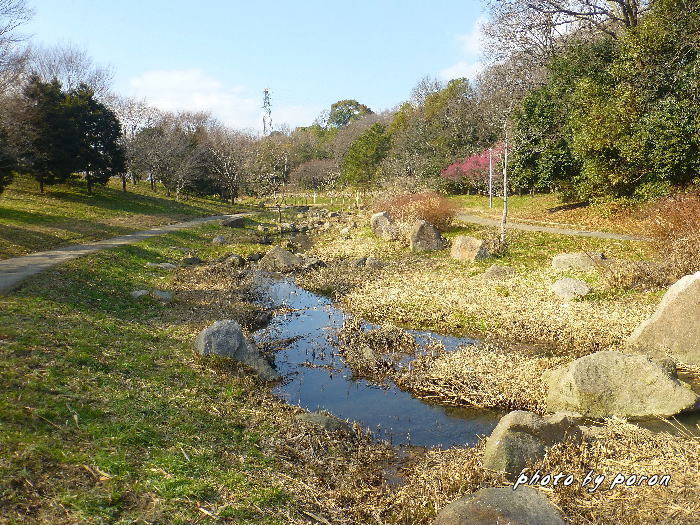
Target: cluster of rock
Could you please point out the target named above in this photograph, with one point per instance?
(423, 237)
(603, 384)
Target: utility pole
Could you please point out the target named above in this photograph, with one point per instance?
(267, 115)
(504, 218)
(490, 178)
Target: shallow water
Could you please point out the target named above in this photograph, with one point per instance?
(316, 377)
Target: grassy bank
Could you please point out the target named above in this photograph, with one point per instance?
(435, 292)
(548, 210)
(66, 214)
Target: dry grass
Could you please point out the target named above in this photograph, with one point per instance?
(436, 479)
(429, 206)
(628, 449)
(674, 224)
(439, 295)
(482, 376)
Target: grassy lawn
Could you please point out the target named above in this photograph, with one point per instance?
(108, 416)
(543, 209)
(65, 214)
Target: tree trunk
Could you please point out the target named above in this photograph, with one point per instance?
(124, 183)
(41, 185)
(89, 183)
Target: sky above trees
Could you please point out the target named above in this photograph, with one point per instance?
(219, 55)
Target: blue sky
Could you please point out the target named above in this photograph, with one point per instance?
(219, 55)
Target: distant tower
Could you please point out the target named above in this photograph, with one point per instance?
(267, 115)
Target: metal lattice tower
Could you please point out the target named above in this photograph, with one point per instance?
(267, 112)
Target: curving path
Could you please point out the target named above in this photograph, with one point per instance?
(14, 271)
(474, 219)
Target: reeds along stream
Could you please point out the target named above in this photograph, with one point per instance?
(316, 376)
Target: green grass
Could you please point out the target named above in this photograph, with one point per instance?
(66, 214)
(542, 208)
(106, 414)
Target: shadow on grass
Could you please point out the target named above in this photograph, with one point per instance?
(116, 200)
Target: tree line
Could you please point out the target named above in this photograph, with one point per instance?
(594, 99)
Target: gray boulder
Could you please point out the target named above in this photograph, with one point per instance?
(137, 294)
(521, 437)
(577, 261)
(219, 239)
(502, 506)
(161, 266)
(498, 272)
(325, 421)
(426, 237)
(311, 263)
(255, 256)
(568, 289)
(225, 338)
(234, 260)
(234, 222)
(615, 384)
(384, 227)
(280, 260)
(374, 264)
(466, 248)
(162, 295)
(675, 326)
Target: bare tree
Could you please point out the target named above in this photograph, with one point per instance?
(71, 66)
(13, 14)
(533, 30)
(229, 150)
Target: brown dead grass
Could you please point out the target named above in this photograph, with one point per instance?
(483, 376)
(628, 449)
(428, 206)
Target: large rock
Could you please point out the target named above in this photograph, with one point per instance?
(325, 421)
(426, 237)
(502, 506)
(521, 437)
(569, 289)
(225, 338)
(615, 384)
(234, 222)
(675, 326)
(498, 272)
(577, 261)
(162, 266)
(280, 260)
(384, 227)
(465, 248)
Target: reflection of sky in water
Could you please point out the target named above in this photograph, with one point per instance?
(388, 411)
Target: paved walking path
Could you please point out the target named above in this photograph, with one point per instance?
(14, 271)
(548, 229)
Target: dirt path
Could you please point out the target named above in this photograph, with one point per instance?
(465, 217)
(14, 271)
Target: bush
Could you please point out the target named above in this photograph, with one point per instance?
(428, 206)
(674, 225)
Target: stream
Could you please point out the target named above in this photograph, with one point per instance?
(317, 378)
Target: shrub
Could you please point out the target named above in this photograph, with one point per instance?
(674, 225)
(428, 206)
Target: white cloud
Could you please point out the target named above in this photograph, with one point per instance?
(462, 69)
(470, 45)
(194, 90)
(471, 42)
